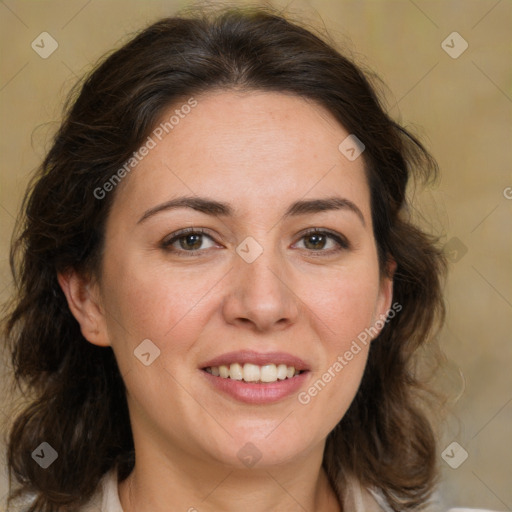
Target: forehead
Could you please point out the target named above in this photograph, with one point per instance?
(250, 148)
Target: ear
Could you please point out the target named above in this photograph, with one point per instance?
(84, 302)
(385, 297)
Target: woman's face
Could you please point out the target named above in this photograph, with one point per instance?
(256, 287)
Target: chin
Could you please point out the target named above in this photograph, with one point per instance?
(265, 446)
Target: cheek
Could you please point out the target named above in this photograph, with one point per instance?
(344, 308)
(344, 304)
(148, 302)
(151, 303)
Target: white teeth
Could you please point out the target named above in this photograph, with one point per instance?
(236, 371)
(269, 373)
(253, 373)
(281, 372)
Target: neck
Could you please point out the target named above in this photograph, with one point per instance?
(160, 482)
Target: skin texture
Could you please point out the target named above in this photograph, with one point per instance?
(260, 152)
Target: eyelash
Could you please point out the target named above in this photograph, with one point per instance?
(343, 243)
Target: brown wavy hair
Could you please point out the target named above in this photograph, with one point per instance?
(75, 393)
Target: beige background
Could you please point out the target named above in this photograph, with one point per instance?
(461, 107)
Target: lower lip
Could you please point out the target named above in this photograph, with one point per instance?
(251, 393)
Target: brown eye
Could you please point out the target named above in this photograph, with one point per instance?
(193, 242)
(317, 240)
(186, 241)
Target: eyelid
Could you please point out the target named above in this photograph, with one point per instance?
(169, 239)
(340, 240)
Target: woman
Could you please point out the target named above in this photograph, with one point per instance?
(220, 293)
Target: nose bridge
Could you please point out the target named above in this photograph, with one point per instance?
(260, 274)
(260, 292)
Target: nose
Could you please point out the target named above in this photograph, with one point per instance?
(261, 295)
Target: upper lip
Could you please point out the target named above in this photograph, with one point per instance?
(257, 358)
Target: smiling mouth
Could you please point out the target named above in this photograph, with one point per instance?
(253, 373)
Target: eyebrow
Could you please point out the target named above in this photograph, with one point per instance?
(220, 209)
